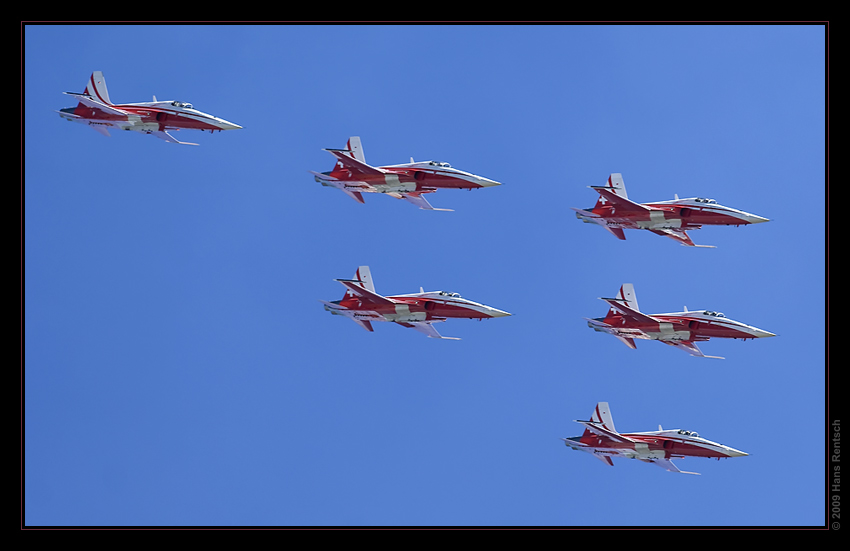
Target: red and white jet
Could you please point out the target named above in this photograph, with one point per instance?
(659, 447)
(409, 181)
(614, 211)
(155, 118)
(419, 311)
(681, 329)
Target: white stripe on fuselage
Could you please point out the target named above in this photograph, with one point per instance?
(682, 439)
(449, 301)
(711, 208)
(189, 114)
(713, 320)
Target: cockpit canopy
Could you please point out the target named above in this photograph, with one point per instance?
(182, 104)
(704, 200)
(688, 433)
(715, 314)
(445, 294)
(438, 163)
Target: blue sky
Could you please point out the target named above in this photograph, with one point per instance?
(180, 369)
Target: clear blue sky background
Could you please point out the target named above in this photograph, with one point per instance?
(179, 369)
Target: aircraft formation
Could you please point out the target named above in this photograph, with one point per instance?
(420, 311)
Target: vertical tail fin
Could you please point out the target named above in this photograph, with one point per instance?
(362, 278)
(602, 415)
(353, 149)
(356, 148)
(615, 181)
(96, 88)
(617, 185)
(626, 295)
(364, 275)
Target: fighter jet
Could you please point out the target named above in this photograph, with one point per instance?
(409, 181)
(614, 211)
(682, 329)
(659, 447)
(155, 118)
(419, 311)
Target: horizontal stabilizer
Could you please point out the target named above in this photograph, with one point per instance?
(607, 195)
(356, 195)
(365, 324)
(88, 101)
(598, 428)
(627, 341)
(326, 177)
(353, 165)
(356, 289)
(618, 305)
(588, 214)
(605, 459)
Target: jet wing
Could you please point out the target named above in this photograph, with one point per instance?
(164, 135)
(691, 348)
(353, 165)
(415, 197)
(681, 236)
(427, 328)
(94, 104)
(353, 286)
(667, 465)
(620, 203)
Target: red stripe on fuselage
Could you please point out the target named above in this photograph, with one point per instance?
(702, 330)
(439, 308)
(174, 119)
(426, 182)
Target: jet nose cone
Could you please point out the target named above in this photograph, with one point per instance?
(487, 182)
(759, 334)
(496, 313)
(753, 219)
(225, 125)
(732, 452)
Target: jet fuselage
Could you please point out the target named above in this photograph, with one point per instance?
(422, 307)
(683, 214)
(434, 174)
(658, 444)
(153, 116)
(686, 326)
